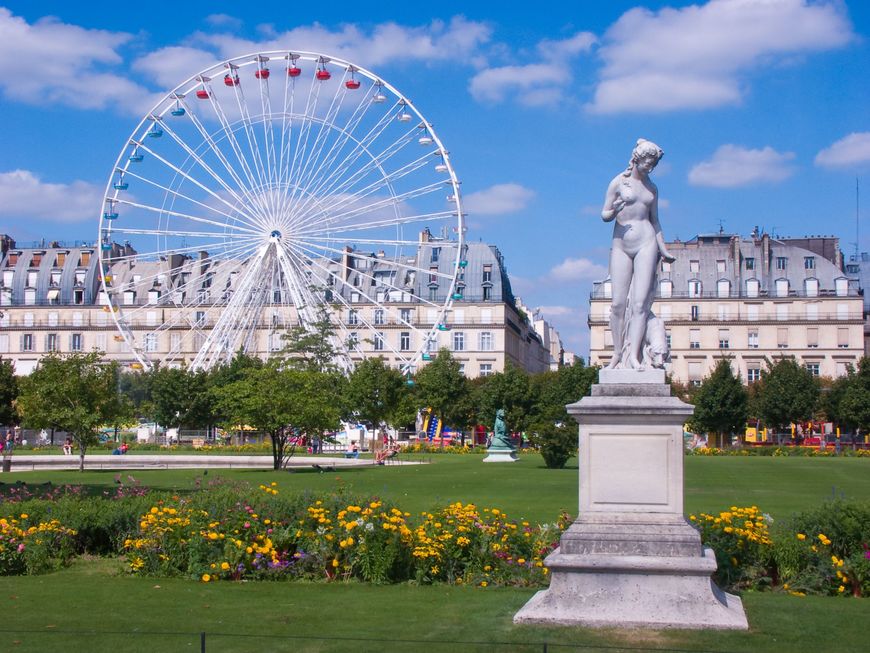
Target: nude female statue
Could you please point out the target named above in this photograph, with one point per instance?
(632, 200)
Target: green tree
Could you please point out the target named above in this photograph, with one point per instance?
(787, 393)
(311, 346)
(180, 397)
(509, 390)
(441, 386)
(374, 391)
(553, 390)
(8, 393)
(721, 404)
(284, 403)
(557, 442)
(853, 406)
(76, 393)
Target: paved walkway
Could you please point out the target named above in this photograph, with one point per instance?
(27, 463)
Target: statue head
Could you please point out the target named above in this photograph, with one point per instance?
(500, 413)
(644, 150)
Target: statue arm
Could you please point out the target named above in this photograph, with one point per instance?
(660, 239)
(613, 203)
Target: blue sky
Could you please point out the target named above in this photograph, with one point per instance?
(761, 107)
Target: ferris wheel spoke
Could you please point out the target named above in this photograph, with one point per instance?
(343, 195)
(228, 248)
(185, 216)
(243, 187)
(239, 214)
(217, 340)
(302, 137)
(335, 185)
(160, 232)
(250, 134)
(249, 183)
(241, 200)
(314, 254)
(386, 222)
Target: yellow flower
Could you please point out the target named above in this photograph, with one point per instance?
(487, 568)
(206, 578)
(483, 583)
(801, 536)
(841, 588)
(335, 562)
(225, 566)
(521, 561)
(23, 515)
(785, 586)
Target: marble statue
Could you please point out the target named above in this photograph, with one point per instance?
(638, 244)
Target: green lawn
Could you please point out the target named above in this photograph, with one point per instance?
(79, 609)
(59, 610)
(526, 489)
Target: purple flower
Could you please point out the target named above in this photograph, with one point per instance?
(867, 554)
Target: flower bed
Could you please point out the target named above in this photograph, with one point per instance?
(813, 452)
(28, 546)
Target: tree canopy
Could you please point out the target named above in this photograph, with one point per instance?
(721, 403)
(788, 393)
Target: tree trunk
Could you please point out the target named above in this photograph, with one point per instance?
(277, 452)
(81, 457)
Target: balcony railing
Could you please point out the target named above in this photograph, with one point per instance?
(767, 316)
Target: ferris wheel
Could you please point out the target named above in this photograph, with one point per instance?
(274, 190)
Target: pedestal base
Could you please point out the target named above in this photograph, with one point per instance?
(500, 456)
(632, 573)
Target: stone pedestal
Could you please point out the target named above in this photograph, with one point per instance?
(631, 559)
(500, 455)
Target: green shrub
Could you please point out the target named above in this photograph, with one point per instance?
(557, 443)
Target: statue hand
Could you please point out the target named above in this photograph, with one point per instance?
(609, 214)
(665, 254)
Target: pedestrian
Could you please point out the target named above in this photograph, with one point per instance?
(10, 443)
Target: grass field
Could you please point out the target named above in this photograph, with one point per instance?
(526, 489)
(94, 606)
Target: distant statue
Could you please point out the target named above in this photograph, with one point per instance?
(500, 437)
(638, 244)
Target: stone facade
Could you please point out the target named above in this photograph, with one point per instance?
(749, 299)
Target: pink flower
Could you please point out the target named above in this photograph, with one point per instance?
(247, 524)
(21, 547)
(867, 554)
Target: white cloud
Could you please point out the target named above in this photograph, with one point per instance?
(695, 57)
(58, 63)
(24, 195)
(850, 150)
(385, 42)
(223, 20)
(578, 269)
(498, 199)
(534, 84)
(558, 311)
(170, 66)
(732, 166)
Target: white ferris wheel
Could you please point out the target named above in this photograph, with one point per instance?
(271, 190)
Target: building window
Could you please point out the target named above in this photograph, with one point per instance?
(487, 273)
(84, 259)
(275, 342)
(458, 316)
(485, 341)
(174, 342)
(694, 373)
(666, 266)
(379, 341)
(724, 312)
(843, 338)
(433, 274)
(379, 316)
(809, 262)
(79, 296)
(28, 319)
(752, 340)
(781, 262)
(694, 288)
(720, 266)
(666, 288)
(811, 287)
(694, 266)
(405, 341)
(458, 341)
(608, 338)
(841, 287)
(812, 368)
(150, 342)
(812, 338)
(50, 342)
(354, 298)
(4, 343)
(723, 288)
(436, 254)
(52, 319)
(433, 294)
(695, 312)
(26, 342)
(782, 338)
(431, 345)
(842, 311)
(405, 315)
(151, 318)
(667, 339)
(352, 317)
(782, 312)
(77, 319)
(75, 342)
(753, 374)
(752, 287)
(665, 312)
(694, 339)
(782, 287)
(30, 296)
(724, 339)
(749, 263)
(812, 311)
(487, 293)
(486, 369)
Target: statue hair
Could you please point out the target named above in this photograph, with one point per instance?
(643, 148)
